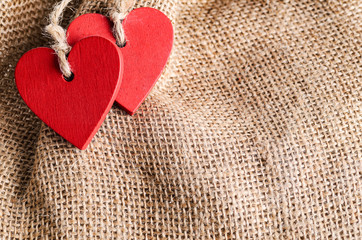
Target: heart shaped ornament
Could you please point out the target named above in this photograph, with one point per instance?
(149, 35)
(74, 109)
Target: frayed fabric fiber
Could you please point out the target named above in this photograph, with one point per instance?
(252, 131)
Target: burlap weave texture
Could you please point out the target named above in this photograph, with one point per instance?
(252, 132)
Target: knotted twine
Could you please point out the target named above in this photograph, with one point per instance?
(61, 47)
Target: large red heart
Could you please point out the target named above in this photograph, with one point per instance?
(149, 35)
(75, 109)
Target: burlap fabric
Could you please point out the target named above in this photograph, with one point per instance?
(252, 132)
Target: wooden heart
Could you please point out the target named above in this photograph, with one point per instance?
(149, 35)
(74, 109)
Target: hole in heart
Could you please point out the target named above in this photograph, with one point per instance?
(122, 45)
(70, 78)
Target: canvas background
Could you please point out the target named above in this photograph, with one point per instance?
(252, 132)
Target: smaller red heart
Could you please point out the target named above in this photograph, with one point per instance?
(75, 109)
(149, 35)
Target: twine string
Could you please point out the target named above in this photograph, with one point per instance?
(117, 15)
(61, 47)
(59, 35)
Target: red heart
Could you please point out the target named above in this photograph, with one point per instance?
(75, 109)
(149, 35)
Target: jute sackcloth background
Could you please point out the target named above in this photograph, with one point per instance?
(252, 132)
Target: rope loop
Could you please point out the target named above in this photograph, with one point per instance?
(61, 47)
